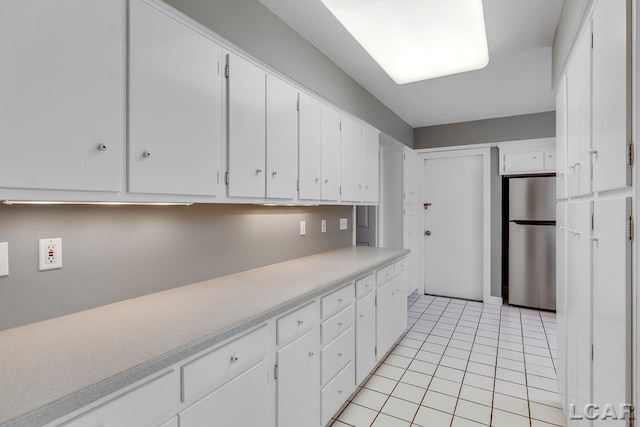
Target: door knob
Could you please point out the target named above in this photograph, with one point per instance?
(427, 233)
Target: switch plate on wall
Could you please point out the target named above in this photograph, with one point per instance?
(343, 223)
(4, 259)
(323, 226)
(50, 254)
(303, 228)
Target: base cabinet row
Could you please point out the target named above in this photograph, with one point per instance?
(296, 369)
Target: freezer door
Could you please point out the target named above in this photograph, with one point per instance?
(532, 198)
(532, 266)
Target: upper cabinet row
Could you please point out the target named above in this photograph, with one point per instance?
(593, 107)
(200, 122)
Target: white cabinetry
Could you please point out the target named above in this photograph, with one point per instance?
(561, 140)
(385, 317)
(175, 105)
(365, 336)
(611, 95)
(62, 105)
(282, 139)
(246, 109)
(561, 300)
(319, 150)
(370, 165)
(533, 156)
(242, 402)
(579, 118)
(359, 149)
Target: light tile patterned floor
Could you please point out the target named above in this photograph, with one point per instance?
(464, 363)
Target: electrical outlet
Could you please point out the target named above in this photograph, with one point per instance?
(4, 259)
(303, 228)
(323, 226)
(344, 223)
(50, 254)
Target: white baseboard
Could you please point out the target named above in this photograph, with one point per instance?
(493, 300)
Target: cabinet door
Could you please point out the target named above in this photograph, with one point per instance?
(579, 305)
(561, 300)
(611, 95)
(63, 94)
(400, 309)
(370, 165)
(385, 317)
(532, 161)
(579, 117)
(351, 160)
(282, 139)
(365, 337)
(612, 297)
(246, 128)
(242, 402)
(330, 154)
(175, 105)
(299, 382)
(561, 140)
(310, 148)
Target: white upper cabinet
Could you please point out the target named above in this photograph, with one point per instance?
(62, 107)
(351, 160)
(282, 139)
(579, 117)
(310, 148)
(370, 165)
(330, 154)
(175, 106)
(561, 140)
(611, 96)
(246, 129)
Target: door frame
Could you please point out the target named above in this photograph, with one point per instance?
(439, 153)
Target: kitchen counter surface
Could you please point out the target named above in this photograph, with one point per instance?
(49, 369)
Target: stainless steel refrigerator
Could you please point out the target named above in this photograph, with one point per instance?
(532, 242)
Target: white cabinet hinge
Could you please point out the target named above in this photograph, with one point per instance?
(593, 222)
(504, 163)
(340, 125)
(217, 177)
(591, 351)
(591, 40)
(275, 372)
(375, 351)
(298, 185)
(341, 189)
(632, 228)
(226, 178)
(632, 155)
(375, 300)
(298, 105)
(226, 70)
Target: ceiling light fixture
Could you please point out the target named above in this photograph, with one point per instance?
(415, 40)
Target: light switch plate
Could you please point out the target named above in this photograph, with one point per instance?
(303, 228)
(4, 259)
(323, 226)
(344, 223)
(50, 254)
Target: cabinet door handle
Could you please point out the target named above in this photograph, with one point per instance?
(311, 353)
(326, 181)
(317, 180)
(274, 173)
(300, 322)
(102, 147)
(340, 324)
(339, 391)
(146, 154)
(362, 316)
(234, 359)
(258, 171)
(339, 354)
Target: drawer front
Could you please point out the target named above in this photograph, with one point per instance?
(337, 300)
(212, 368)
(384, 275)
(523, 162)
(337, 324)
(365, 285)
(297, 322)
(400, 266)
(337, 354)
(138, 407)
(337, 392)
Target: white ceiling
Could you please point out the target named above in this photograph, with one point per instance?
(517, 80)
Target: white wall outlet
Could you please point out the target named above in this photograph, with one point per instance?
(303, 228)
(4, 259)
(50, 254)
(323, 226)
(344, 223)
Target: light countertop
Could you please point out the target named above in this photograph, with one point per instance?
(51, 368)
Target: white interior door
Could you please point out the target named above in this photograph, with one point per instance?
(454, 224)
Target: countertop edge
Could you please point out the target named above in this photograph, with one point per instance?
(72, 402)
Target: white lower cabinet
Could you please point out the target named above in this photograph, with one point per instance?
(298, 392)
(242, 402)
(365, 336)
(385, 317)
(336, 392)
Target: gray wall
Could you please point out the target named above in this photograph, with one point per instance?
(572, 14)
(529, 126)
(118, 252)
(253, 28)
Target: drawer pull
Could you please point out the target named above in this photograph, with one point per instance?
(146, 154)
(300, 322)
(311, 353)
(340, 299)
(362, 316)
(234, 359)
(339, 354)
(340, 324)
(339, 391)
(102, 147)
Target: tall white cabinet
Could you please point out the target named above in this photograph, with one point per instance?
(595, 217)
